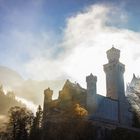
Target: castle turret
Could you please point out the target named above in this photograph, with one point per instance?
(91, 93)
(47, 102)
(115, 85)
(114, 75)
(48, 95)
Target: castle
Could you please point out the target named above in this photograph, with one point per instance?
(113, 107)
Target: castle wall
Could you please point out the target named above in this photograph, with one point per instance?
(107, 109)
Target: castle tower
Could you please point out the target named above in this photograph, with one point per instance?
(47, 102)
(115, 85)
(47, 98)
(48, 95)
(91, 93)
(114, 75)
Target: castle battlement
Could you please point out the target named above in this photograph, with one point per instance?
(48, 94)
(113, 54)
(91, 77)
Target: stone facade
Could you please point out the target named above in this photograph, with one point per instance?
(112, 108)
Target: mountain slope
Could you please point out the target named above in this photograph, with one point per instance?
(9, 77)
(29, 89)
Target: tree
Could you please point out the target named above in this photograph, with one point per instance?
(20, 121)
(38, 118)
(79, 111)
(36, 126)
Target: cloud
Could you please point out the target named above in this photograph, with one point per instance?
(86, 38)
(90, 34)
(82, 49)
(21, 48)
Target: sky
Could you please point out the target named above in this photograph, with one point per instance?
(60, 39)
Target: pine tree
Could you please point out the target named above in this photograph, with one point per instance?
(36, 127)
(20, 120)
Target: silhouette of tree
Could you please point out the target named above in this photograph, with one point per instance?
(36, 126)
(20, 120)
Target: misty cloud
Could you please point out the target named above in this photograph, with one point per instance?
(90, 34)
(81, 50)
(86, 38)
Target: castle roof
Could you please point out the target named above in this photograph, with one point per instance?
(68, 83)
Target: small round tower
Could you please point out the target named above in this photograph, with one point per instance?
(47, 103)
(91, 93)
